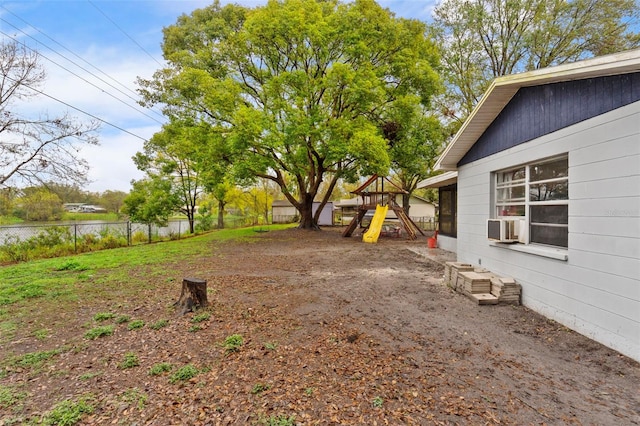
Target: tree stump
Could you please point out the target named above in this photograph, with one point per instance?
(193, 295)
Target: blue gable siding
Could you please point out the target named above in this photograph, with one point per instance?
(539, 110)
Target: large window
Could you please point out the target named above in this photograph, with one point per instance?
(538, 193)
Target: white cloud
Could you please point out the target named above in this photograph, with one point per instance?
(112, 167)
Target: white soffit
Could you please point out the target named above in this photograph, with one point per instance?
(444, 179)
(502, 89)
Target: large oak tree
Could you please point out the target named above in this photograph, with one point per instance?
(298, 89)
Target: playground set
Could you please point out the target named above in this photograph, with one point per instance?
(379, 194)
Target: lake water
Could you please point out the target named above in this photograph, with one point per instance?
(96, 227)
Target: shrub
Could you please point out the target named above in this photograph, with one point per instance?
(139, 237)
(15, 250)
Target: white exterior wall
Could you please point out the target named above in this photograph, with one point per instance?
(447, 243)
(596, 291)
(326, 215)
(421, 209)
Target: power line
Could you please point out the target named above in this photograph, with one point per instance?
(79, 76)
(85, 80)
(124, 32)
(59, 44)
(78, 109)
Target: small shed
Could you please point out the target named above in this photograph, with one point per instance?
(282, 211)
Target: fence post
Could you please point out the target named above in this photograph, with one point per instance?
(75, 237)
(128, 233)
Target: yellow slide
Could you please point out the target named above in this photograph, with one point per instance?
(372, 234)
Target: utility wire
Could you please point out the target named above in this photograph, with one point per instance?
(77, 56)
(59, 44)
(124, 32)
(78, 109)
(82, 78)
(85, 80)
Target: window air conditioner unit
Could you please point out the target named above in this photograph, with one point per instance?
(504, 230)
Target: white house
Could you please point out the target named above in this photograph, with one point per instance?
(549, 162)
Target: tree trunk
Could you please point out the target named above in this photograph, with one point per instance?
(192, 222)
(193, 295)
(306, 214)
(405, 203)
(220, 214)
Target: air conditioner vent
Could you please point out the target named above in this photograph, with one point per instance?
(503, 230)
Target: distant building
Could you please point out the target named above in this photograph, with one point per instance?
(282, 211)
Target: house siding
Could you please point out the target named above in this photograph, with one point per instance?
(597, 290)
(538, 110)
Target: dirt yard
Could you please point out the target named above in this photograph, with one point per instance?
(334, 331)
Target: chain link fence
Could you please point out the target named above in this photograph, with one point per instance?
(75, 232)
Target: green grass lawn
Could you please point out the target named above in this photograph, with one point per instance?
(50, 285)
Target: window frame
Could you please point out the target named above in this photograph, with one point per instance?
(507, 206)
(448, 220)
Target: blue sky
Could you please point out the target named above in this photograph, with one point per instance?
(93, 51)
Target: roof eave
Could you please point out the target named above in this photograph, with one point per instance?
(502, 89)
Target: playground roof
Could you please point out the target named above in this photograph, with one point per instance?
(376, 185)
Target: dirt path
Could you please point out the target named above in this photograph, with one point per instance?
(341, 332)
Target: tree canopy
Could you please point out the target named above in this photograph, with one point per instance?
(298, 91)
(484, 39)
(172, 155)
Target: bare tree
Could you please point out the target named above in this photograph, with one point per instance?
(35, 150)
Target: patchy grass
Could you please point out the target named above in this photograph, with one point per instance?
(134, 396)
(102, 331)
(233, 343)
(73, 276)
(130, 360)
(35, 359)
(69, 412)
(159, 324)
(9, 397)
(122, 319)
(183, 374)
(204, 316)
(160, 368)
(135, 325)
(103, 316)
(279, 420)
